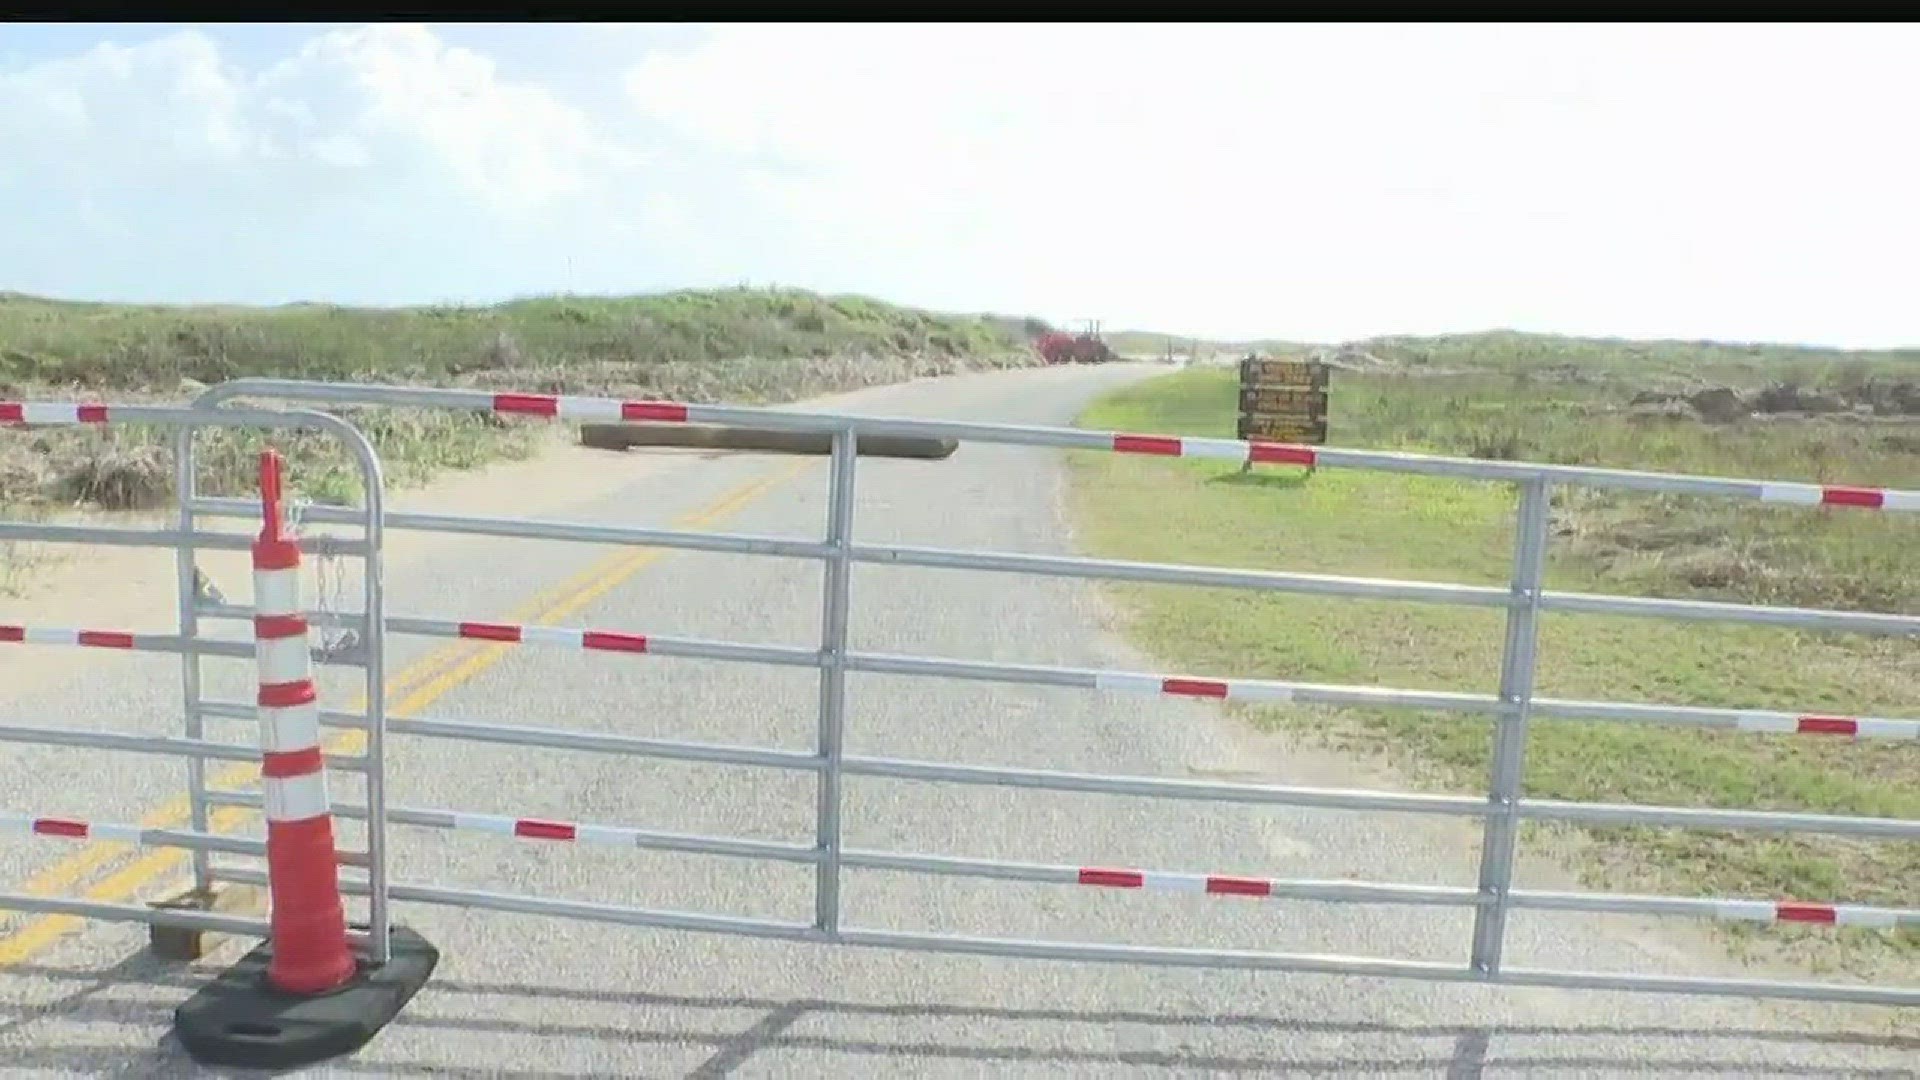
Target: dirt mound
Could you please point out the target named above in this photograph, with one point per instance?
(1719, 405)
(1365, 361)
(1888, 396)
(117, 478)
(1879, 396)
(1716, 404)
(1351, 358)
(1873, 395)
(1661, 407)
(1788, 398)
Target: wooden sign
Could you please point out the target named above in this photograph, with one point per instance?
(1283, 400)
(1284, 429)
(1292, 400)
(1255, 371)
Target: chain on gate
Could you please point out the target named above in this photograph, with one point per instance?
(332, 634)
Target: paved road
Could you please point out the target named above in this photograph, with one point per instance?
(527, 998)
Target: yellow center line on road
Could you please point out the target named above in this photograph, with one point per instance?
(76, 867)
(455, 664)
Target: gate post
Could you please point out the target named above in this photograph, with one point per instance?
(833, 678)
(1507, 771)
(187, 585)
(205, 893)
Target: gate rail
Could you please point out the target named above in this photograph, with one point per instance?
(1512, 705)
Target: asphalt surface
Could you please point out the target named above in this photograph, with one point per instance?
(535, 997)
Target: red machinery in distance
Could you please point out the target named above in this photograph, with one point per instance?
(1059, 347)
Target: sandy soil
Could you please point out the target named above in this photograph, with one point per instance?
(104, 588)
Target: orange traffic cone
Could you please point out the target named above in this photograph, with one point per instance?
(301, 997)
(310, 953)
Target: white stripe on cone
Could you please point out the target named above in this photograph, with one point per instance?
(293, 728)
(295, 798)
(283, 660)
(276, 592)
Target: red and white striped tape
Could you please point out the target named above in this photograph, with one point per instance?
(566, 407)
(598, 640)
(1771, 911)
(572, 407)
(542, 829)
(1177, 686)
(1255, 452)
(1773, 723)
(56, 635)
(1216, 884)
(70, 828)
(1829, 495)
(567, 831)
(1733, 910)
(52, 412)
(1756, 721)
(1223, 449)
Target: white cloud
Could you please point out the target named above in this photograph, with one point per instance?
(1308, 181)
(170, 99)
(1343, 180)
(388, 97)
(402, 88)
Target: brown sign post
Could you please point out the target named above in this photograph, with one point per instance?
(1283, 401)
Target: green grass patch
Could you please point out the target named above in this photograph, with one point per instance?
(127, 346)
(1608, 359)
(1380, 525)
(737, 345)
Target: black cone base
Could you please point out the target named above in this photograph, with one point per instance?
(239, 1020)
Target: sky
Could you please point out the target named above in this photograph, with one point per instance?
(1310, 182)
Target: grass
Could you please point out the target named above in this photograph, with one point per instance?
(741, 345)
(1603, 359)
(1593, 361)
(122, 346)
(17, 563)
(1353, 522)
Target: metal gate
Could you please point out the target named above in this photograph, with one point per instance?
(187, 539)
(1502, 810)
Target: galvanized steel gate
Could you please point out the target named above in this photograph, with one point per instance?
(187, 539)
(1502, 810)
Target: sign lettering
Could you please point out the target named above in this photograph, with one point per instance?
(1283, 400)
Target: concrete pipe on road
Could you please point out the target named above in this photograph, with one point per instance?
(622, 436)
